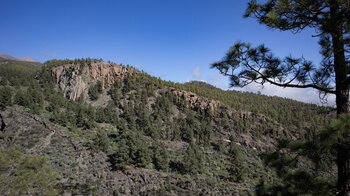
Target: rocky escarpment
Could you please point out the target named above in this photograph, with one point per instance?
(74, 79)
(196, 101)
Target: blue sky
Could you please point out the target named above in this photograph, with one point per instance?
(174, 40)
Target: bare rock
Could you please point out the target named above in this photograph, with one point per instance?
(73, 79)
(196, 101)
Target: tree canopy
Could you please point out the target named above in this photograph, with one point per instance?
(245, 64)
(330, 19)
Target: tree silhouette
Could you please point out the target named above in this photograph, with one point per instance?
(245, 64)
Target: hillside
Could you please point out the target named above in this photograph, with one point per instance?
(100, 128)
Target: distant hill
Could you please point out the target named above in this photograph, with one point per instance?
(28, 59)
(8, 57)
(25, 59)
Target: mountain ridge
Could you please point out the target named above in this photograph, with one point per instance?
(25, 59)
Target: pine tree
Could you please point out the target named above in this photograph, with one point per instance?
(160, 156)
(245, 64)
(205, 132)
(95, 90)
(101, 141)
(5, 97)
(192, 160)
(237, 169)
(187, 133)
(21, 99)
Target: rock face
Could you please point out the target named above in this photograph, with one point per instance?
(73, 80)
(196, 101)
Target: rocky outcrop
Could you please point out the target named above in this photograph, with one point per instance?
(74, 79)
(196, 101)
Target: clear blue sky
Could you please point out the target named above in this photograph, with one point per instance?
(176, 40)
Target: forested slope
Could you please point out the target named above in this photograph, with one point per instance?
(102, 128)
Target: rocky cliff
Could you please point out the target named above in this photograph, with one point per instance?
(73, 79)
(196, 101)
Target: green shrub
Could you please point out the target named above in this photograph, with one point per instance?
(26, 174)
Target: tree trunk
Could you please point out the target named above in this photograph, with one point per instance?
(343, 170)
(342, 98)
(343, 154)
(342, 102)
